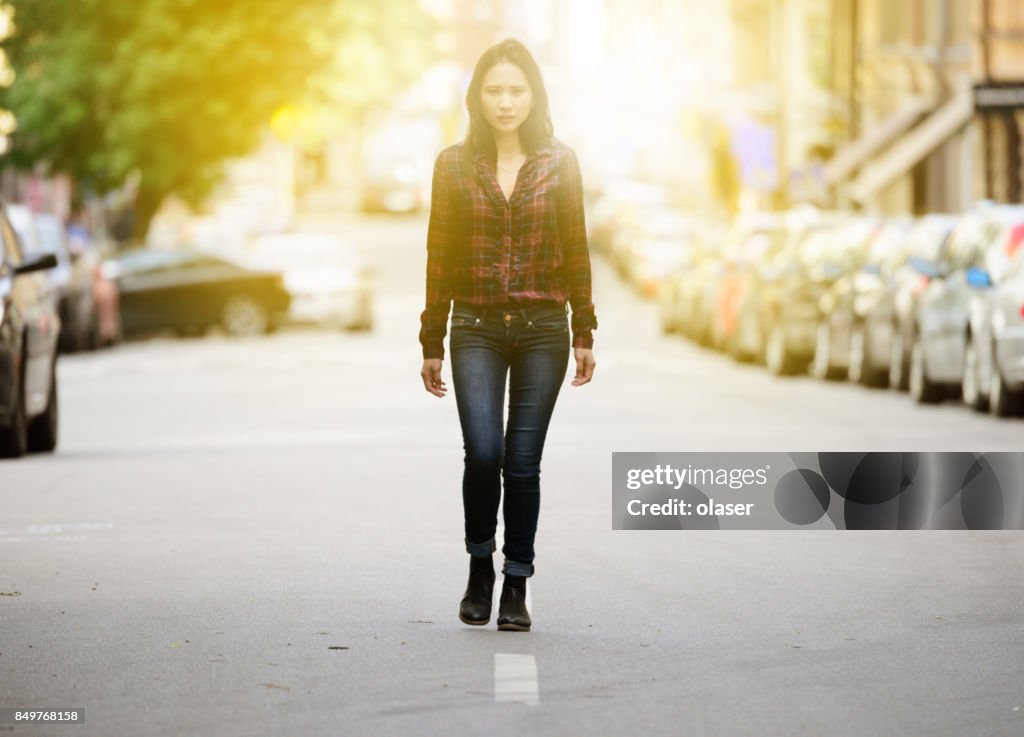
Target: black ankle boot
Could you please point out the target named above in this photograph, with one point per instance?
(476, 604)
(512, 614)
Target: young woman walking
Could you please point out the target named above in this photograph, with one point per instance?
(507, 243)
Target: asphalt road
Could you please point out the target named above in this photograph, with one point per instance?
(263, 536)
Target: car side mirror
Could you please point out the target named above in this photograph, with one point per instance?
(40, 263)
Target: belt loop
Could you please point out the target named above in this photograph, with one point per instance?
(526, 319)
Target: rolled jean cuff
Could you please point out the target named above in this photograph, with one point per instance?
(515, 568)
(481, 550)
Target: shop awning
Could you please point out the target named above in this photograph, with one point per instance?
(921, 141)
(840, 166)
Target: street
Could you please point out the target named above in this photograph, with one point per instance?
(264, 536)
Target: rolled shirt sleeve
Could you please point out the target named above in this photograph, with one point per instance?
(441, 233)
(573, 236)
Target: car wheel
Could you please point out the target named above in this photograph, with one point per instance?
(14, 437)
(970, 386)
(93, 340)
(860, 370)
(821, 365)
(243, 315)
(897, 363)
(1003, 401)
(42, 431)
(777, 357)
(922, 390)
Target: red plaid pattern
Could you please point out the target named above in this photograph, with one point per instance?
(485, 250)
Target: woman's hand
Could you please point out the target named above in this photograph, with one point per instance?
(585, 365)
(431, 375)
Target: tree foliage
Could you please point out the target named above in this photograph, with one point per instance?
(172, 88)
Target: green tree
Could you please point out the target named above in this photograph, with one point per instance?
(171, 89)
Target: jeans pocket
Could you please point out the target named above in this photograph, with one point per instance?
(553, 324)
(465, 321)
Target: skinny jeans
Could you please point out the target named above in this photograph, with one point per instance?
(527, 347)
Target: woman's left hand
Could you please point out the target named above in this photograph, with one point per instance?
(585, 365)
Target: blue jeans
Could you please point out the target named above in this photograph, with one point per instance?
(531, 346)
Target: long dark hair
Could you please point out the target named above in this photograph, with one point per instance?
(536, 128)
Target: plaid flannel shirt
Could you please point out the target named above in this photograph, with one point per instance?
(483, 249)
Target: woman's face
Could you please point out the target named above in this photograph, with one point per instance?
(505, 97)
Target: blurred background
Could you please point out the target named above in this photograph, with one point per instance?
(822, 188)
(190, 120)
(805, 220)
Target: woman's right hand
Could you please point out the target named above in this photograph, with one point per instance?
(431, 375)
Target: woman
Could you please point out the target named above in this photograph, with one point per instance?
(507, 242)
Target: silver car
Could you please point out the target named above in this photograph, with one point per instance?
(952, 313)
(994, 352)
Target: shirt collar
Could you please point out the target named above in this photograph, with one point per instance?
(542, 149)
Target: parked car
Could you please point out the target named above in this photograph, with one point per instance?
(862, 242)
(679, 290)
(74, 279)
(928, 249)
(942, 329)
(960, 314)
(865, 299)
(29, 330)
(327, 279)
(189, 291)
(88, 243)
(792, 307)
(735, 285)
(997, 370)
(26, 227)
(744, 239)
(754, 310)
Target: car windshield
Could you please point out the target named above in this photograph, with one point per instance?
(925, 240)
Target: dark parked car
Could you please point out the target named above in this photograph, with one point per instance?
(29, 330)
(189, 291)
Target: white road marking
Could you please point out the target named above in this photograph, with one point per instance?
(515, 679)
(50, 532)
(50, 528)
